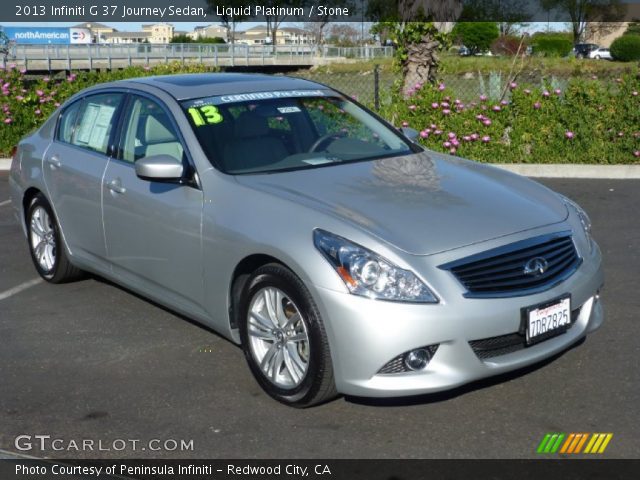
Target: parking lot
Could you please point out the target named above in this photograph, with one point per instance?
(90, 360)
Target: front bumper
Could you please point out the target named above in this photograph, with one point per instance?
(364, 335)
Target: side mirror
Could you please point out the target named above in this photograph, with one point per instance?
(159, 167)
(411, 133)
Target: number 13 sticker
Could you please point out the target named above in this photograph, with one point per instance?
(207, 114)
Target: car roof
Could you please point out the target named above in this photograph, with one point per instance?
(196, 85)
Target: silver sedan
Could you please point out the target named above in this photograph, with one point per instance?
(341, 255)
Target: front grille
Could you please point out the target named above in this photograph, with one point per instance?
(502, 345)
(396, 365)
(500, 272)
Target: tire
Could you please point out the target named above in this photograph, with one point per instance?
(45, 244)
(284, 339)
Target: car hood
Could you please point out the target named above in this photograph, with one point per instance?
(422, 203)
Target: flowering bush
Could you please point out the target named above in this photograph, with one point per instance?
(590, 121)
(26, 103)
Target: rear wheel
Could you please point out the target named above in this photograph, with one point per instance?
(284, 339)
(45, 244)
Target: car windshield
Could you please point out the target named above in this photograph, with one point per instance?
(288, 130)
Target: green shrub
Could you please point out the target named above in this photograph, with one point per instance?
(552, 46)
(587, 121)
(476, 36)
(626, 48)
(26, 104)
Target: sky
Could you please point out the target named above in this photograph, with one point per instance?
(187, 26)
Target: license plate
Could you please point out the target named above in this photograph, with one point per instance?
(547, 320)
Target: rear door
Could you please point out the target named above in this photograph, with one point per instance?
(74, 165)
(153, 229)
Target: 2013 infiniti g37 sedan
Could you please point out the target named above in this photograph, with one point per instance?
(341, 255)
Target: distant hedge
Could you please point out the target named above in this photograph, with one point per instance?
(626, 48)
(552, 46)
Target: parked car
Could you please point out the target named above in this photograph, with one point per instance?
(582, 50)
(342, 256)
(600, 53)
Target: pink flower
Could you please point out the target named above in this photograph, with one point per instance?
(486, 122)
(446, 144)
(38, 112)
(437, 132)
(536, 105)
(594, 77)
(8, 120)
(634, 93)
(619, 80)
(424, 134)
(19, 98)
(445, 104)
(496, 108)
(433, 126)
(455, 142)
(320, 107)
(451, 135)
(621, 134)
(405, 124)
(466, 138)
(441, 87)
(483, 98)
(57, 104)
(569, 134)
(452, 150)
(45, 79)
(446, 111)
(486, 139)
(412, 107)
(417, 86)
(527, 91)
(513, 85)
(504, 102)
(434, 105)
(557, 91)
(146, 68)
(457, 101)
(636, 154)
(545, 93)
(480, 117)
(475, 136)
(23, 71)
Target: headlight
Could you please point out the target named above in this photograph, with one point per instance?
(585, 221)
(368, 274)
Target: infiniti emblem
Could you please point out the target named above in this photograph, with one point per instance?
(536, 266)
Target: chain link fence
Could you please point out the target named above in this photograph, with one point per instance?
(374, 87)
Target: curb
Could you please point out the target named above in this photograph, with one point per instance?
(603, 172)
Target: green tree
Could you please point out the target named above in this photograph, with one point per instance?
(181, 38)
(633, 28)
(584, 12)
(476, 36)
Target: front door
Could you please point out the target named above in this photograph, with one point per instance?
(152, 229)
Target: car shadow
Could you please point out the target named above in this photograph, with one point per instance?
(438, 397)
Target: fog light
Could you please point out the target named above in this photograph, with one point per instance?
(417, 359)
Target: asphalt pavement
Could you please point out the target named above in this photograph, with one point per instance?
(92, 361)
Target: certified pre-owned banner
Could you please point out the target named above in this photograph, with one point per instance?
(214, 11)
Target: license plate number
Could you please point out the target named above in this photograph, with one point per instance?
(549, 320)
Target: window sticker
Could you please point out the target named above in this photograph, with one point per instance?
(288, 109)
(94, 126)
(205, 115)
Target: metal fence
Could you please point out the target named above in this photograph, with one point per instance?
(108, 56)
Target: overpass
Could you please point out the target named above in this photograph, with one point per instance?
(38, 58)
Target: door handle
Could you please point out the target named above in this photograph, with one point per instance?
(116, 186)
(54, 162)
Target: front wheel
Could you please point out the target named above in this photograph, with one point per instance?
(284, 339)
(45, 243)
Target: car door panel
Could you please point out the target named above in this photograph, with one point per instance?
(153, 229)
(73, 168)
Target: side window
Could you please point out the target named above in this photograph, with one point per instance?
(94, 121)
(149, 131)
(67, 122)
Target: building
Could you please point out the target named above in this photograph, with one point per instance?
(284, 36)
(208, 31)
(97, 30)
(159, 32)
(604, 34)
(126, 37)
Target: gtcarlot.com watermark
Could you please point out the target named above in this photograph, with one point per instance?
(26, 443)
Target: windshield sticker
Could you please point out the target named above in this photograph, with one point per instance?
(288, 109)
(268, 95)
(318, 161)
(205, 115)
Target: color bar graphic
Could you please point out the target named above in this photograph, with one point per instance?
(574, 443)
